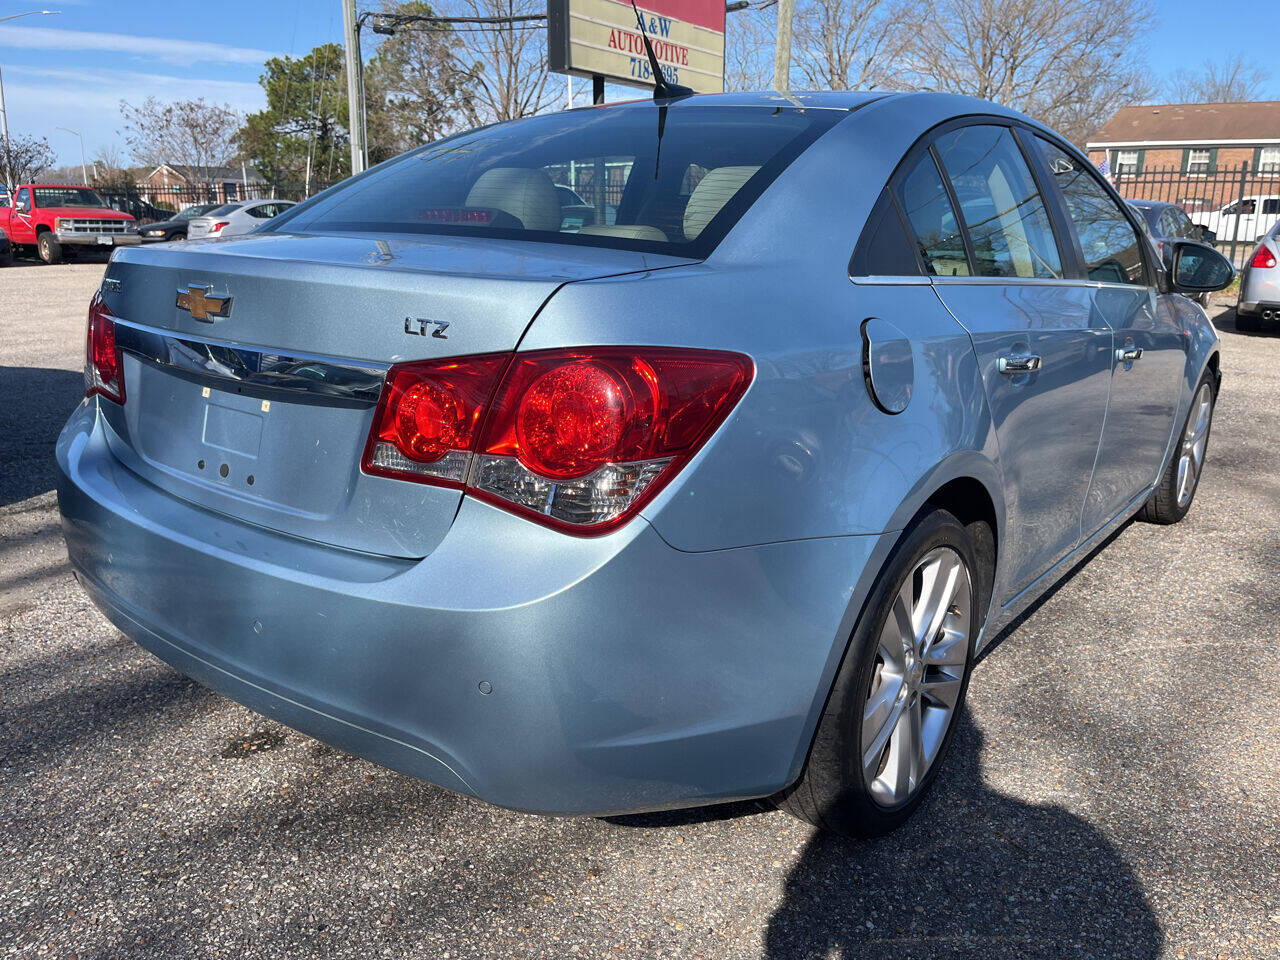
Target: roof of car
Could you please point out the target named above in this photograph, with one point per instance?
(813, 99)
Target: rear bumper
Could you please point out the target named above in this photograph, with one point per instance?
(1255, 308)
(91, 239)
(624, 675)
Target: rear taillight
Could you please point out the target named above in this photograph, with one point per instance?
(217, 227)
(579, 440)
(103, 372)
(428, 419)
(1263, 259)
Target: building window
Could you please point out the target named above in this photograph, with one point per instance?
(1269, 160)
(1197, 163)
(1126, 163)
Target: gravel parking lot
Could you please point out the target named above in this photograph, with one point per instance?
(1114, 790)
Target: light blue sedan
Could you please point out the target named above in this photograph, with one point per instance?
(714, 497)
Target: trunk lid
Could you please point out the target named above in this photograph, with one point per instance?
(262, 410)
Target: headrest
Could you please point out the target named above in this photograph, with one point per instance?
(711, 194)
(528, 195)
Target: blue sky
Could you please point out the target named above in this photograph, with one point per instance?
(72, 70)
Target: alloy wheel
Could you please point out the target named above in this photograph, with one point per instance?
(917, 677)
(1194, 440)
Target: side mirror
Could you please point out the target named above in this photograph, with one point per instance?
(1196, 267)
(20, 206)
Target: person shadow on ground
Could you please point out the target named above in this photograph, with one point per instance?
(972, 874)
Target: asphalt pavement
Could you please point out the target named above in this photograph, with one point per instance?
(1114, 790)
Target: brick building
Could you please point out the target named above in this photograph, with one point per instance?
(1194, 144)
(223, 184)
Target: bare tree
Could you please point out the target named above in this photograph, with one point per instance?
(23, 158)
(417, 87)
(1068, 63)
(850, 44)
(748, 48)
(509, 65)
(1233, 80)
(108, 170)
(193, 133)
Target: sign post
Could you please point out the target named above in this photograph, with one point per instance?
(601, 40)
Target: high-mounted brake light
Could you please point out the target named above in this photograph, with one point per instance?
(103, 371)
(576, 439)
(1264, 259)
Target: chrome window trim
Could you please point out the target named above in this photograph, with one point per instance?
(905, 280)
(1021, 281)
(255, 370)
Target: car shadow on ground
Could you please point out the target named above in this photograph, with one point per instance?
(974, 873)
(38, 402)
(1225, 322)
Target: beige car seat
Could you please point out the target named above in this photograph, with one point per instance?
(711, 194)
(528, 195)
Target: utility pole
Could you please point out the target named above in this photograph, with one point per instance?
(355, 96)
(782, 53)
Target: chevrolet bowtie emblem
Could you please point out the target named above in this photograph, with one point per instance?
(202, 304)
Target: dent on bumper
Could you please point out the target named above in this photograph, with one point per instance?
(623, 675)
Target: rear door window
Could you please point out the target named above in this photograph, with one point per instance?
(1002, 209)
(1111, 246)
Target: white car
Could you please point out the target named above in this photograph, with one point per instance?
(232, 219)
(1247, 219)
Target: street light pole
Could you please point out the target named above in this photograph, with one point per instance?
(84, 172)
(4, 129)
(4, 114)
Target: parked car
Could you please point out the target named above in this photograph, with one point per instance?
(1167, 221)
(6, 250)
(232, 219)
(1247, 219)
(680, 509)
(175, 228)
(48, 218)
(1259, 302)
(141, 210)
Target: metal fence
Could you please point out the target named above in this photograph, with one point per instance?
(1237, 204)
(149, 204)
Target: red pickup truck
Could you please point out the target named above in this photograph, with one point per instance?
(51, 217)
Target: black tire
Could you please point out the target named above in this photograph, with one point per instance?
(6, 255)
(48, 247)
(831, 792)
(1165, 506)
(1248, 323)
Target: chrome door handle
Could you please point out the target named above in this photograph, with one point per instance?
(1019, 363)
(1128, 354)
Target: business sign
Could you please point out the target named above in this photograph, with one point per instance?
(601, 38)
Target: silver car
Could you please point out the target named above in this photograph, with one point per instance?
(232, 219)
(714, 497)
(1259, 304)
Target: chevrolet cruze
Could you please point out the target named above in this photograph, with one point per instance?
(711, 491)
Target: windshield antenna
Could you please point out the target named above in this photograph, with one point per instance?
(663, 89)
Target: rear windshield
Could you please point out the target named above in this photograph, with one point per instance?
(67, 197)
(225, 208)
(636, 177)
